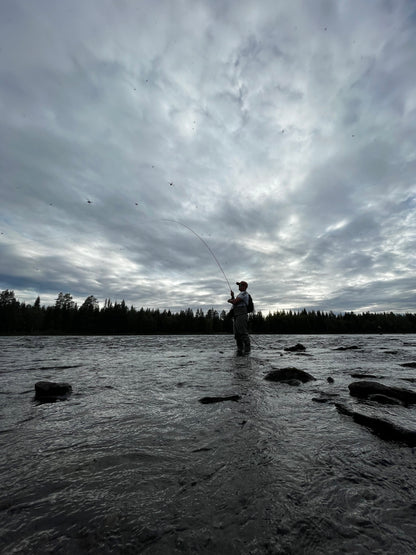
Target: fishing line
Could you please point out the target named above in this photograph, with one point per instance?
(205, 243)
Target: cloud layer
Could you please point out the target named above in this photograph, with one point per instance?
(282, 134)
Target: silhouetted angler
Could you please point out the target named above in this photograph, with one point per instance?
(240, 318)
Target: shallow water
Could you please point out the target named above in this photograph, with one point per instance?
(132, 462)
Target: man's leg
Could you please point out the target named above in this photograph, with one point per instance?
(244, 334)
(247, 344)
(238, 336)
(240, 345)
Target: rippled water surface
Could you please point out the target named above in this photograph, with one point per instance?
(132, 462)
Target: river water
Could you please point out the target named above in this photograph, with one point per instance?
(132, 462)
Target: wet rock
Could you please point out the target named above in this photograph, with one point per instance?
(287, 375)
(296, 348)
(364, 389)
(409, 364)
(320, 399)
(293, 382)
(350, 348)
(52, 391)
(361, 375)
(208, 400)
(384, 399)
(343, 409)
(383, 428)
(325, 397)
(330, 380)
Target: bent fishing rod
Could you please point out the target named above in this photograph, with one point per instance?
(207, 246)
(212, 254)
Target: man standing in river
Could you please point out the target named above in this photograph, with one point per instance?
(240, 318)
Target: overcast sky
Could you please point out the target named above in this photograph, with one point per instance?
(283, 134)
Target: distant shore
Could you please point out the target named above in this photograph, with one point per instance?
(66, 318)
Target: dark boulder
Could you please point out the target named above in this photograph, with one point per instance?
(287, 375)
(383, 428)
(409, 365)
(343, 409)
(325, 397)
(364, 389)
(292, 382)
(296, 348)
(208, 400)
(362, 375)
(384, 399)
(52, 391)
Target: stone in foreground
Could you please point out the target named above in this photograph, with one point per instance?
(383, 428)
(52, 391)
(287, 375)
(364, 389)
(208, 400)
(384, 399)
(296, 348)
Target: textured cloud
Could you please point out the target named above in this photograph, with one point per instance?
(281, 133)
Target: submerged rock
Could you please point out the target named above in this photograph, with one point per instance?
(207, 400)
(52, 391)
(296, 348)
(350, 348)
(384, 399)
(364, 389)
(325, 397)
(361, 375)
(292, 382)
(289, 376)
(383, 428)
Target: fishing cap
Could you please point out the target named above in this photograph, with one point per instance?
(243, 283)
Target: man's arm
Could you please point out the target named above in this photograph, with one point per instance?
(233, 300)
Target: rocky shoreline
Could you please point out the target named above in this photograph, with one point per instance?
(373, 396)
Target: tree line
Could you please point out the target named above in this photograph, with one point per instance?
(65, 317)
